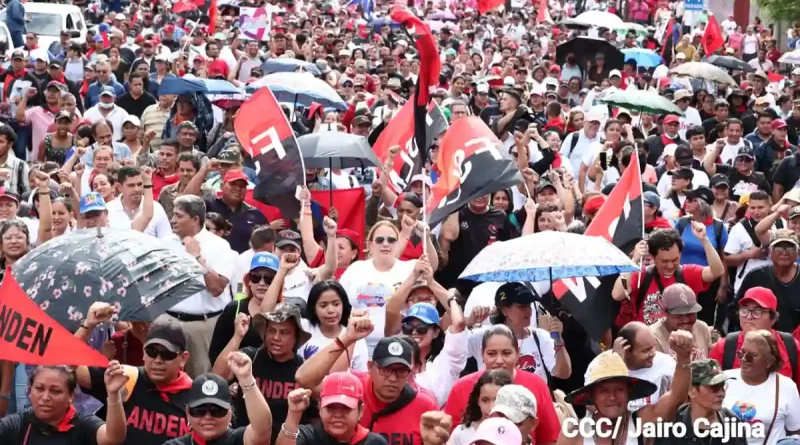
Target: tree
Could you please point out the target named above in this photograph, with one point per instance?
(786, 10)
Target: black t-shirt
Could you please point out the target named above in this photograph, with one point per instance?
(316, 435)
(231, 437)
(275, 380)
(743, 185)
(223, 330)
(788, 172)
(15, 427)
(786, 293)
(152, 417)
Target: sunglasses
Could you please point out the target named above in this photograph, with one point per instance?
(165, 354)
(386, 239)
(216, 412)
(256, 278)
(746, 357)
(421, 328)
(785, 249)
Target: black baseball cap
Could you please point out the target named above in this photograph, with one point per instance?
(287, 238)
(209, 389)
(392, 350)
(167, 334)
(703, 193)
(719, 180)
(683, 155)
(682, 173)
(510, 293)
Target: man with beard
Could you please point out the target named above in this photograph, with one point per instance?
(123, 211)
(681, 309)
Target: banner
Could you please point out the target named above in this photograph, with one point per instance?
(266, 135)
(410, 160)
(349, 203)
(28, 335)
(255, 23)
(472, 164)
(621, 221)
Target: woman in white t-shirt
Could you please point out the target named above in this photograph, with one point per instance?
(479, 405)
(370, 282)
(327, 312)
(758, 388)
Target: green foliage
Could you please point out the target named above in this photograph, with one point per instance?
(784, 10)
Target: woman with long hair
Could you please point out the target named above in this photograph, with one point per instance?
(479, 405)
(119, 67)
(132, 136)
(327, 312)
(55, 145)
(256, 283)
(612, 145)
(502, 200)
(369, 283)
(14, 243)
(53, 419)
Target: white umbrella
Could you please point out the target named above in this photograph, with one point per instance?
(599, 18)
(792, 58)
(703, 70)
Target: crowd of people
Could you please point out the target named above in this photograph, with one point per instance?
(308, 332)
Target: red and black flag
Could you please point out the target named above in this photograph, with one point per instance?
(621, 221)
(265, 133)
(429, 68)
(472, 163)
(672, 35)
(410, 160)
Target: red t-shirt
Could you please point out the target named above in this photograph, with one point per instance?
(401, 426)
(651, 310)
(718, 351)
(160, 181)
(548, 428)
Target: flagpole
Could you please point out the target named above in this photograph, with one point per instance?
(424, 218)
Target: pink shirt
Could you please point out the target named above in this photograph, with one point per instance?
(39, 119)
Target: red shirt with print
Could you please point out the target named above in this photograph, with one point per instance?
(651, 310)
(401, 426)
(718, 351)
(546, 431)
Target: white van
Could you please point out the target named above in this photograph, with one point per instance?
(49, 19)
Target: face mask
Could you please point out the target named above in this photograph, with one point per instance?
(106, 106)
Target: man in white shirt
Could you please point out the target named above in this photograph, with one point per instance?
(683, 161)
(691, 117)
(578, 143)
(741, 250)
(761, 62)
(516, 29)
(198, 314)
(108, 110)
(123, 211)
(728, 25)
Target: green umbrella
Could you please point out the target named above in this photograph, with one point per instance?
(641, 101)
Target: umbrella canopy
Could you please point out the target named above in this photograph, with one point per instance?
(289, 65)
(548, 256)
(331, 149)
(598, 19)
(186, 85)
(139, 274)
(300, 89)
(631, 26)
(442, 15)
(585, 49)
(642, 101)
(731, 63)
(791, 58)
(643, 57)
(703, 70)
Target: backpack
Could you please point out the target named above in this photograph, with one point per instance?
(751, 231)
(650, 274)
(732, 341)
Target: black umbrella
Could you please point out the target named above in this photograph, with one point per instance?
(139, 274)
(731, 63)
(331, 149)
(586, 48)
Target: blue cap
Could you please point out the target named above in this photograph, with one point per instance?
(97, 39)
(265, 259)
(92, 201)
(424, 312)
(108, 90)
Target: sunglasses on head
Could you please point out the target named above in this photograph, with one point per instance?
(217, 412)
(165, 354)
(257, 278)
(387, 239)
(421, 328)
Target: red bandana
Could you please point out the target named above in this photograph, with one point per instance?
(65, 424)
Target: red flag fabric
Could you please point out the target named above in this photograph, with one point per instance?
(430, 63)
(488, 5)
(668, 31)
(212, 17)
(183, 6)
(712, 37)
(28, 335)
(349, 204)
(543, 15)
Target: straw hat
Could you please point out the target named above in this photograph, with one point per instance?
(610, 366)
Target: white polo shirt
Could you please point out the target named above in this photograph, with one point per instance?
(116, 117)
(118, 218)
(220, 258)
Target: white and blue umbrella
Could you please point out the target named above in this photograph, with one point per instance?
(187, 85)
(547, 256)
(299, 89)
(289, 65)
(791, 58)
(643, 57)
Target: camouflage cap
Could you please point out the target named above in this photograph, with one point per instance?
(282, 313)
(707, 372)
(516, 403)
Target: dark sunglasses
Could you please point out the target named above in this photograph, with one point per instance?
(746, 357)
(256, 278)
(421, 328)
(387, 239)
(165, 354)
(217, 412)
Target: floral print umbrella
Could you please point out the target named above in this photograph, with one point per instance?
(139, 274)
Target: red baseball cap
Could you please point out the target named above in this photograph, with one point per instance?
(761, 296)
(349, 234)
(343, 388)
(169, 28)
(555, 68)
(670, 119)
(234, 175)
(593, 204)
(777, 124)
